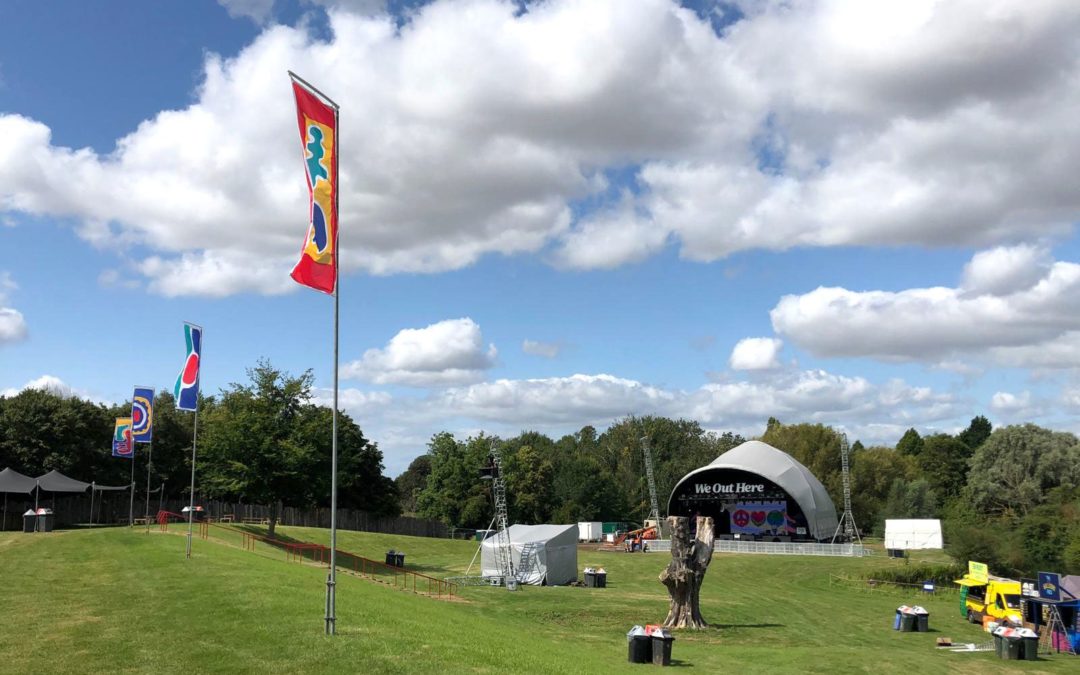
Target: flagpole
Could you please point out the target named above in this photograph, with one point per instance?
(331, 583)
(131, 502)
(93, 489)
(194, 438)
(149, 468)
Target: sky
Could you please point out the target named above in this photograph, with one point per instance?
(556, 213)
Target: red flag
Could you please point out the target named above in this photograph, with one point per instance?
(317, 119)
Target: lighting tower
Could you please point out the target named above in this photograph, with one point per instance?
(654, 513)
(847, 521)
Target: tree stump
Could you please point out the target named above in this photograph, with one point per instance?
(684, 574)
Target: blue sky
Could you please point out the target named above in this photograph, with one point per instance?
(556, 214)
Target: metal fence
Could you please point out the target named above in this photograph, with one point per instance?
(774, 548)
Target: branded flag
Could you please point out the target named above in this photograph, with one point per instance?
(142, 415)
(318, 135)
(187, 384)
(122, 443)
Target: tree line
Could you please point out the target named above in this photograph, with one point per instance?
(261, 442)
(1008, 497)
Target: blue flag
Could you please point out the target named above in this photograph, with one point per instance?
(142, 415)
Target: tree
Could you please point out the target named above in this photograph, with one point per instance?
(911, 443)
(1018, 465)
(412, 481)
(264, 442)
(873, 472)
(910, 499)
(977, 432)
(943, 462)
(455, 494)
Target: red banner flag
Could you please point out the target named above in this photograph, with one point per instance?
(317, 119)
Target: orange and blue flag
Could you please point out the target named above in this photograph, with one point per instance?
(317, 267)
(123, 445)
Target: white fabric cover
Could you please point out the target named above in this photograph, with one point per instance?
(787, 472)
(912, 534)
(555, 554)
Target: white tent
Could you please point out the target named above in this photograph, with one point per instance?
(550, 553)
(913, 534)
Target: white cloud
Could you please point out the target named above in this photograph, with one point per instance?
(548, 350)
(932, 324)
(879, 413)
(756, 354)
(1005, 270)
(545, 401)
(1013, 406)
(49, 383)
(12, 324)
(480, 127)
(445, 353)
(258, 11)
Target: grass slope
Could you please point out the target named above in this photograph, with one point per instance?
(124, 601)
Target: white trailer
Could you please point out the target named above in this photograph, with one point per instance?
(591, 531)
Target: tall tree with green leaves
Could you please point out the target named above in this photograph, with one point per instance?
(977, 432)
(943, 462)
(911, 443)
(1016, 467)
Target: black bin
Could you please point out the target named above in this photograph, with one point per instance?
(601, 579)
(391, 558)
(1012, 650)
(923, 622)
(639, 649)
(29, 521)
(399, 560)
(590, 579)
(999, 646)
(1031, 648)
(661, 649)
(45, 521)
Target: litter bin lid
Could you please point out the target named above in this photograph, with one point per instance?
(44, 512)
(636, 631)
(30, 512)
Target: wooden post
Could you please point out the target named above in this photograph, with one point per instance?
(690, 559)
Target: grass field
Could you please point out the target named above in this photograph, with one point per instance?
(119, 600)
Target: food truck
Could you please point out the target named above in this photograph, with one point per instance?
(983, 595)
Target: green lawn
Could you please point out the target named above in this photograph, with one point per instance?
(120, 600)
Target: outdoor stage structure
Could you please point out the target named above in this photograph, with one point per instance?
(755, 492)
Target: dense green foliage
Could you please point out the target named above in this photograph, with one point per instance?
(259, 442)
(582, 476)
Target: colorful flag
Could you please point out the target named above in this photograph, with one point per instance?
(122, 443)
(318, 135)
(142, 415)
(187, 384)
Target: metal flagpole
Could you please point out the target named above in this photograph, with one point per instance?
(131, 502)
(194, 437)
(149, 468)
(331, 579)
(93, 489)
(331, 582)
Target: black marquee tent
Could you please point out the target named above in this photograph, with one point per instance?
(14, 482)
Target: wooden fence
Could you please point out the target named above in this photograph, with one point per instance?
(111, 508)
